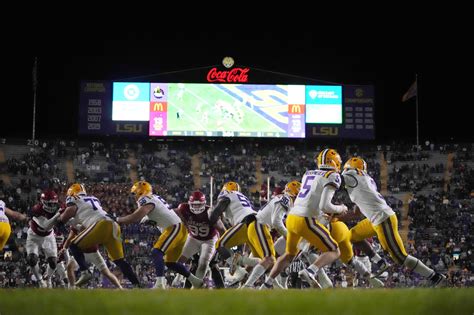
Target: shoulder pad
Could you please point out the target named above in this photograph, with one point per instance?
(350, 171)
(183, 207)
(71, 200)
(285, 202)
(143, 200)
(334, 178)
(223, 193)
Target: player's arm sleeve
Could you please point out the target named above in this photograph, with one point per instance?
(218, 210)
(45, 223)
(137, 215)
(14, 214)
(325, 203)
(277, 220)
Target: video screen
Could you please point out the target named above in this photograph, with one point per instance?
(324, 104)
(230, 110)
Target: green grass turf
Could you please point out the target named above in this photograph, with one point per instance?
(207, 95)
(245, 302)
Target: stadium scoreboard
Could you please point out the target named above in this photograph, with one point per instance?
(160, 109)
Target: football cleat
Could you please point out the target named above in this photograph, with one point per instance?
(310, 277)
(160, 283)
(279, 286)
(43, 284)
(376, 283)
(437, 279)
(196, 282)
(381, 266)
(266, 286)
(84, 278)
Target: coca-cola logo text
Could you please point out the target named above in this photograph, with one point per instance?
(234, 75)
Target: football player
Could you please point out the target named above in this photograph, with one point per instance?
(169, 246)
(245, 229)
(272, 215)
(314, 198)
(380, 219)
(99, 229)
(202, 236)
(91, 255)
(41, 237)
(5, 228)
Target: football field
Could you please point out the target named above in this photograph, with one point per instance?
(202, 107)
(245, 302)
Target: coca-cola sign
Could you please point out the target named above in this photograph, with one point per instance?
(231, 76)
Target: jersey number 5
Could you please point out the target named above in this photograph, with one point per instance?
(306, 186)
(244, 200)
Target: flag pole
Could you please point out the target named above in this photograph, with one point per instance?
(35, 83)
(417, 123)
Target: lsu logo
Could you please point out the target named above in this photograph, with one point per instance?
(129, 128)
(325, 131)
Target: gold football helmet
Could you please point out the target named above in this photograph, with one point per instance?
(292, 188)
(76, 190)
(231, 186)
(329, 159)
(141, 188)
(357, 163)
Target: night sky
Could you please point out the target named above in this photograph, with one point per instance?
(391, 67)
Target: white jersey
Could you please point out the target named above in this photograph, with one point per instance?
(363, 192)
(238, 208)
(162, 213)
(314, 182)
(273, 213)
(3, 216)
(89, 210)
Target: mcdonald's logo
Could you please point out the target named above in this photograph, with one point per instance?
(296, 109)
(158, 107)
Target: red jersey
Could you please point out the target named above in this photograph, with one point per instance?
(38, 211)
(198, 225)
